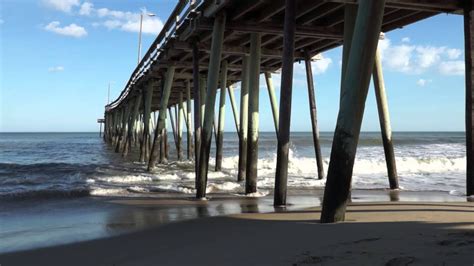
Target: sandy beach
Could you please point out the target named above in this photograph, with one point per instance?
(377, 233)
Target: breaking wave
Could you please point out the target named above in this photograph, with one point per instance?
(76, 180)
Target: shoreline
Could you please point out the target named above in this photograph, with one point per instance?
(432, 233)
(92, 218)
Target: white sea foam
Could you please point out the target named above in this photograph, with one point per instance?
(137, 189)
(369, 173)
(100, 191)
(456, 193)
(128, 179)
(226, 186)
(173, 188)
(258, 194)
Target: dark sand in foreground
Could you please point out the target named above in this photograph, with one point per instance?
(380, 233)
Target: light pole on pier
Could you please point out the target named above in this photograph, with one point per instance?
(140, 35)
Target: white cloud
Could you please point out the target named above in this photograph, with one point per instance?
(427, 56)
(452, 67)
(125, 20)
(72, 30)
(423, 82)
(112, 24)
(320, 66)
(62, 5)
(454, 53)
(86, 9)
(56, 69)
(105, 12)
(417, 59)
(396, 57)
(405, 39)
(150, 25)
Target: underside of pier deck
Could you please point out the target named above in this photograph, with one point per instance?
(319, 27)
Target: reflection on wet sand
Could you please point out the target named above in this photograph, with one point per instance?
(66, 221)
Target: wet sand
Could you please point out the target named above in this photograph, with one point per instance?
(376, 233)
(37, 223)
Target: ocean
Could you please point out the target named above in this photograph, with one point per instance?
(70, 165)
(58, 188)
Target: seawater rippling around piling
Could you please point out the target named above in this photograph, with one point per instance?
(45, 165)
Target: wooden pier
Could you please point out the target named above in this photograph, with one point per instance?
(208, 46)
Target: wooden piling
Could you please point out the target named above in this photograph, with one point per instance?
(197, 108)
(384, 119)
(286, 89)
(355, 87)
(123, 128)
(117, 119)
(230, 88)
(350, 14)
(254, 88)
(202, 93)
(119, 125)
(147, 98)
(113, 118)
(244, 109)
(131, 125)
(221, 121)
(165, 142)
(469, 58)
(314, 116)
(179, 124)
(212, 80)
(107, 127)
(189, 132)
(173, 128)
(138, 126)
(161, 117)
(273, 99)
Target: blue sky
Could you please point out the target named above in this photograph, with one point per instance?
(58, 57)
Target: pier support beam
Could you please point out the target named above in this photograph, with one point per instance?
(350, 15)
(254, 89)
(173, 127)
(384, 118)
(145, 143)
(165, 142)
(221, 121)
(107, 127)
(189, 132)
(131, 125)
(286, 90)
(123, 127)
(354, 93)
(116, 119)
(314, 116)
(197, 108)
(230, 88)
(179, 125)
(244, 114)
(202, 90)
(161, 124)
(273, 100)
(212, 80)
(469, 58)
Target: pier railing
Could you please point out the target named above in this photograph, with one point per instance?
(181, 11)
